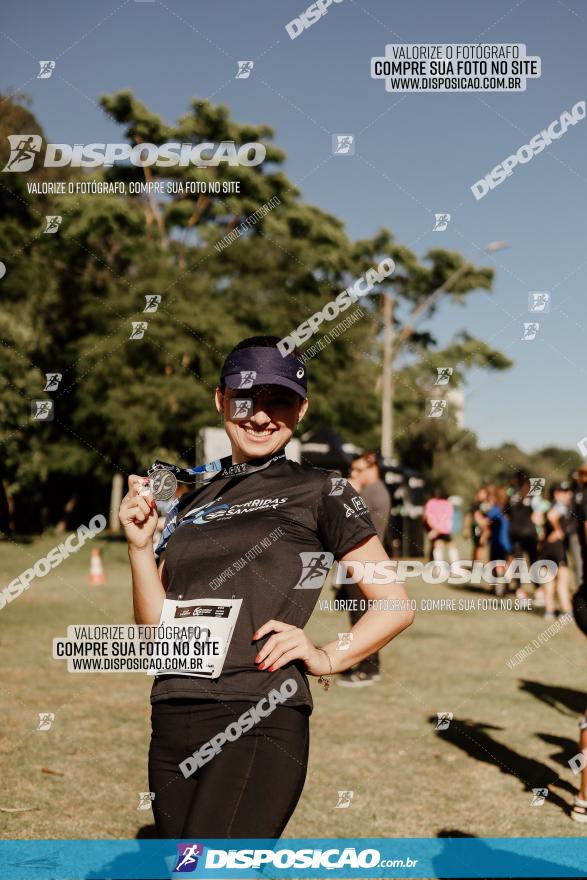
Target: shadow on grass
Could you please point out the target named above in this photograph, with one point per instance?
(482, 855)
(13, 538)
(126, 864)
(567, 701)
(567, 748)
(478, 856)
(474, 739)
(146, 832)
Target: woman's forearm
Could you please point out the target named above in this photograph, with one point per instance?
(374, 630)
(147, 590)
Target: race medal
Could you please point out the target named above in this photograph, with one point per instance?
(163, 484)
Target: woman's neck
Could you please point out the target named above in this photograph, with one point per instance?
(239, 457)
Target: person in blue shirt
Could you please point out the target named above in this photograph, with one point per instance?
(500, 546)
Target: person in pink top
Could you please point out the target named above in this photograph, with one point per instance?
(438, 520)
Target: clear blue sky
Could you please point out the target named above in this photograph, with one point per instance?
(416, 154)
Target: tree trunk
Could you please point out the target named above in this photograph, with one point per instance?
(115, 499)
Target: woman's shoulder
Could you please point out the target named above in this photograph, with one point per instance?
(312, 473)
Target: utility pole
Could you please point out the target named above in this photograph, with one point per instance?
(387, 384)
(389, 345)
(392, 344)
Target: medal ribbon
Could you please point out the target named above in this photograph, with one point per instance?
(164, 477)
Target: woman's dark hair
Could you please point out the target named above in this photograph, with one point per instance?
(256, 342)
(521, 479)
(370, 459)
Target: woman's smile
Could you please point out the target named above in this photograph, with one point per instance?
(258, 434)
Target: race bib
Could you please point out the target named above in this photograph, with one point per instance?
(202, 630)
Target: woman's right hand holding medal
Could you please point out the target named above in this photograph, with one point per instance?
(138, 513)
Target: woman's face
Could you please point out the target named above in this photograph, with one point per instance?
(265, 424)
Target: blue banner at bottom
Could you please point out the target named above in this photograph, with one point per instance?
(372, 857)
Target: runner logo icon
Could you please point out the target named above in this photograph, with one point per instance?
(187, 857)
(42, 410)
(444, 374)
(240, 408)
(315, 568)
(539, 301)
(244, 69)
(441, 222)
(344, 799)
(138, 329)
(538, 796)
(53, 223)
(46, 69)
(338, 485)
(247, 378)
(444, 719)
(46, 719)
(152, 302)
(23, 149)
(343, 145)
(53, 380)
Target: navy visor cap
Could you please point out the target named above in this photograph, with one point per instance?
(264, 366)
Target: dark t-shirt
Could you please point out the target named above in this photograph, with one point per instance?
(269, 538)
(519, 512)
(378, 501)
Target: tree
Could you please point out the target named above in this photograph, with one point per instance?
(23, 462)
(124, 401)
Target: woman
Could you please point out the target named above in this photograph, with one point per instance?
(500, 546)
(553, 549)
(438, 520)
(477, 522)
(251, 786)
(522, 530)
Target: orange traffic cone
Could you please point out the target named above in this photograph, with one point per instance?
(97, 575)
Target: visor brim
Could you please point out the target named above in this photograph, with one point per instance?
(233, 382)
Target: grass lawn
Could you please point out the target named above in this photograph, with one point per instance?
(513, 729)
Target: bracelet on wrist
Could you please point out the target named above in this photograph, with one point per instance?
(324, 680)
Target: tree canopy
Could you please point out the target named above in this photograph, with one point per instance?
(70, 299)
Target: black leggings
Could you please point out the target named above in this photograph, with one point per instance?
(249, 789)
(524, 543)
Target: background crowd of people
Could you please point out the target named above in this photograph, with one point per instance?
(520, 522)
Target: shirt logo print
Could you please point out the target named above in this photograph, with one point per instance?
(214, 510)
